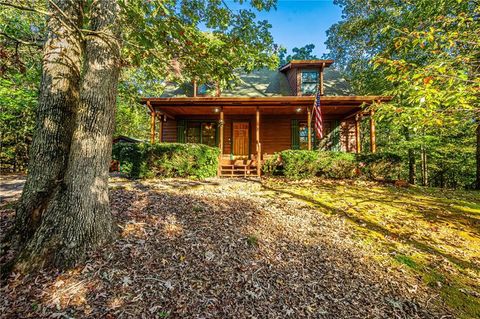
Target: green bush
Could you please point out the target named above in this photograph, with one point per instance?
(380, 166)
(132, 158)
(297, 164)
(272, 165)
(144, 160)
(337, 164)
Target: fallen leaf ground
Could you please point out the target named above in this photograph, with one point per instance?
(225, 248)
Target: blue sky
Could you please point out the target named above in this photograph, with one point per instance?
(296, 23)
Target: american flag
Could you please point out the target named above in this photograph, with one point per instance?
(317, 113)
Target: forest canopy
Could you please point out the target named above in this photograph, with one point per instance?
(426, 55)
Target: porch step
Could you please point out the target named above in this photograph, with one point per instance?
(238, 168)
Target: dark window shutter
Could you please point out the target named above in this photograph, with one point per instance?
(295, 135)
(181, 131)
(336, 135)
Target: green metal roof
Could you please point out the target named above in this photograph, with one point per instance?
(265, 82)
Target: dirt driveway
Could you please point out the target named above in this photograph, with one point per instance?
(11, 186)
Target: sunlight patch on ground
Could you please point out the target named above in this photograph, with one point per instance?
(172, 228)
(134, 229)
(68, 290)
(433, 233)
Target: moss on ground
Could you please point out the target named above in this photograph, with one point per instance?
(432, 233)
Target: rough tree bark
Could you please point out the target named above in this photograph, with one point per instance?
(411, 166)
(58, 99)
(77, 217)
(411, 158)
(477, 184)
(424, 166)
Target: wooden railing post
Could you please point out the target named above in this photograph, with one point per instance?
(309, 121)
(357, 133)
(373, 145)
(259, 146)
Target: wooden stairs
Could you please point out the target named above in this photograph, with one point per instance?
(237, 168)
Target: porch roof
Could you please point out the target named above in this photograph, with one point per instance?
(337, 106)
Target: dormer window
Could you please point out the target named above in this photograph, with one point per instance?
(309, 82)
(305, 76)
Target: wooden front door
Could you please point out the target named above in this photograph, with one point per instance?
(240, 139)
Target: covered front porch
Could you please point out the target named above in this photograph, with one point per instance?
(249, 130)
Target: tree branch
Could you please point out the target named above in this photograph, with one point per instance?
(36, 44)
(66, 18)
(8, 4)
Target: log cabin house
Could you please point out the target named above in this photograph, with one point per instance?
(267, 112)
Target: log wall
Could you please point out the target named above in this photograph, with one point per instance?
(275, 131)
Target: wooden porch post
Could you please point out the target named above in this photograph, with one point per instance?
(322, 92)
(309, 121)
(221, 124)
(357, 133)
(152, 127)
(259, 145)
(160, 129)
(373, 145)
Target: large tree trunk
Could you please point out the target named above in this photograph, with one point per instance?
(424, 166)
(59, 94)
(78, 216)
(411, 166)
(477, 184)
(411, 158)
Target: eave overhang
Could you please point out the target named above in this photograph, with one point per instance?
(305, 64)
(261, 101)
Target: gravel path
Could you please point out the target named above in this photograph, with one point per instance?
(221, 249)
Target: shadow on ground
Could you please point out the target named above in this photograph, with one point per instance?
(217, 250)
(418, 228)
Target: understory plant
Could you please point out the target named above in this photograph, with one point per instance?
(380, 166)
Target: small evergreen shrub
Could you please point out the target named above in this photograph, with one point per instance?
(380, 166)
(273, 166)
(144, 160)
(132, 158)
(299, 164)
(336, 164)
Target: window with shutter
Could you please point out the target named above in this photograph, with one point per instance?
(335, 135)
(295, 135)
(181, 131)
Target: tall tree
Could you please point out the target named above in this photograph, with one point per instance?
(64, 209)
(477, 184)
(424, 54)
(20, 57)
(302, 53)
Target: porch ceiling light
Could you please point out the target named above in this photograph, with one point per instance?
(216, 110)
(299, 109)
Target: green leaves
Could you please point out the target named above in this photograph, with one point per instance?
(425, 55)
(206, 40)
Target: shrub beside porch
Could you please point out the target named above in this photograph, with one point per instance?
(145, 160)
